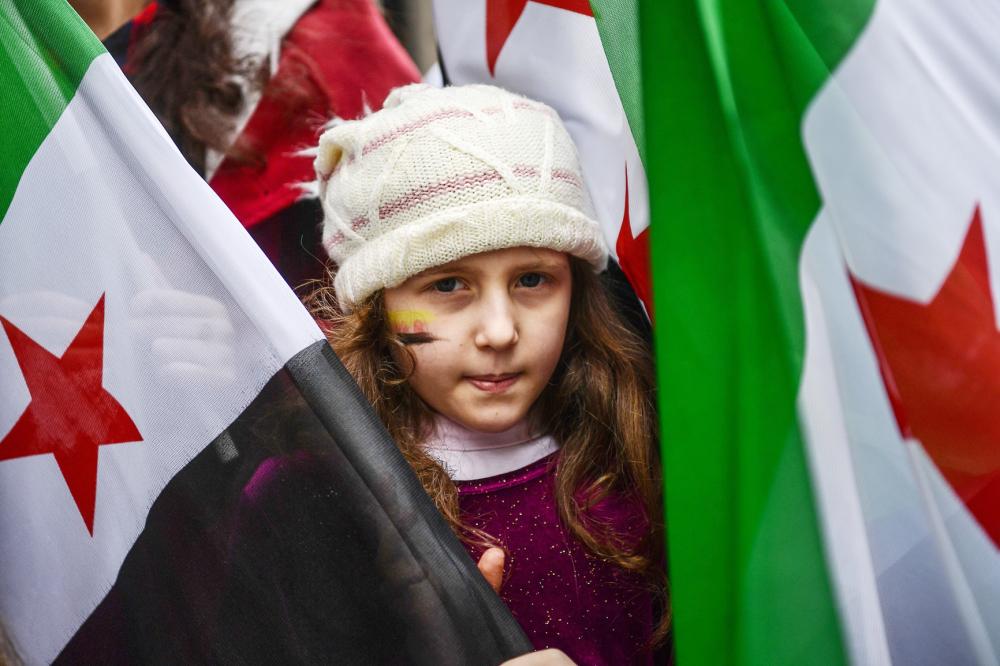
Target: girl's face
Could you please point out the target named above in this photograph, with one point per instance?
(486, 331)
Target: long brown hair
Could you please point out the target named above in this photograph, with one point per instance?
(599, 407)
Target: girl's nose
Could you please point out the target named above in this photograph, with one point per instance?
(498, 325)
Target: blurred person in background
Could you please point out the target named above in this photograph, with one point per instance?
(242, 86)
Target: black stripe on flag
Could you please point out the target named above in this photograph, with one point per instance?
(299, 534)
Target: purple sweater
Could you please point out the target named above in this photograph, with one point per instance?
(563, 596)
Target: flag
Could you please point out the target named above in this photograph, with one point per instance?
(187, 473)
(824, 243)
(550, 50)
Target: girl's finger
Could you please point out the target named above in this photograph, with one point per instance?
(491, 566)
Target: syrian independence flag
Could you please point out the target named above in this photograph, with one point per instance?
(826, 246)
(550, 50)
(187, 473)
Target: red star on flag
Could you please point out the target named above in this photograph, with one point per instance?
(633, 256)
(502, 16)
(940, 363)
(70, 414)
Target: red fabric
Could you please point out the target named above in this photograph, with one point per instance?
(140, 23)
(145, 17)
(940, 364)
(346, 55)
(633, 257)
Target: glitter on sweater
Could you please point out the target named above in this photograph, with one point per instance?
(563, 596)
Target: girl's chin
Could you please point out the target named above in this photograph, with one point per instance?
(488, 423)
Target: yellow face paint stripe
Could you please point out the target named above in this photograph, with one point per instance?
(410, 321)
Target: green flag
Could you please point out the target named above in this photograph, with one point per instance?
(731, 183)
(824, 322)
(34, 39)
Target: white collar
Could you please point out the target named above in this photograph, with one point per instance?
(468, 455)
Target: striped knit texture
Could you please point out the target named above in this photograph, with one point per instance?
(442, 173)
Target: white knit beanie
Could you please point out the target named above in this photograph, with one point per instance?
(442, 173)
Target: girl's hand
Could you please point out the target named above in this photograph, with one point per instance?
(550, 657)
(491, 566)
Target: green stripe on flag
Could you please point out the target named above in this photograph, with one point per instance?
(725, 87)
(46, 49)
(618, 24)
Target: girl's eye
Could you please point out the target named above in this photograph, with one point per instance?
(447, 285)
(531, 280)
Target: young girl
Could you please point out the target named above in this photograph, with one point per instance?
(466, 305)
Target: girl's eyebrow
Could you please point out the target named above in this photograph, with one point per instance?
(441, 270)
(541, 265)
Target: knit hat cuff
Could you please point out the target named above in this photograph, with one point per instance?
(391, 258)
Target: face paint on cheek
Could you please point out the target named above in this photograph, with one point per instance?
(411, 326)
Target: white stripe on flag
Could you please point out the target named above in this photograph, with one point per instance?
(937, 498)
(196, 322)
(830, 462)
(556, 56)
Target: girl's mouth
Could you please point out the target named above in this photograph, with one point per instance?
(494, 383)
